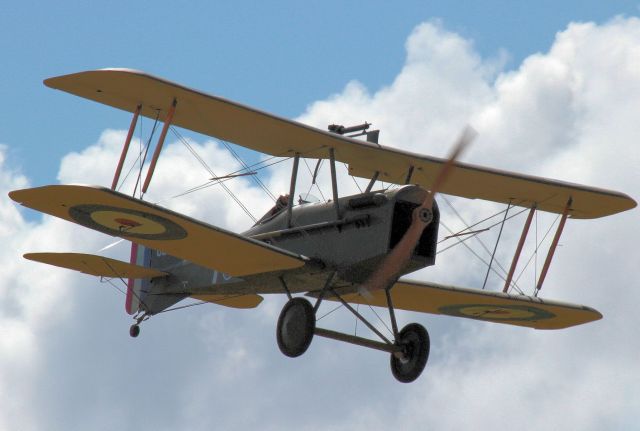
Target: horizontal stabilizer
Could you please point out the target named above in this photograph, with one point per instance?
(234, 301)
(116, 214)
(260, 131)
(95, 265)
(477, 304)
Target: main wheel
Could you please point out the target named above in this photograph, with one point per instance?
(296, 324)
(414, 340)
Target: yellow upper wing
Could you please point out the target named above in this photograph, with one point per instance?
(260, 131)
(119, 215)
(484, 305)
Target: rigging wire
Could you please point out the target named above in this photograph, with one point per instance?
(213, 174)
(140, 160)
(473, 235)
(326, 314)
(535, 252)
(215, 182)
(480, 222)
(246, 168)
(381, 320)
(495, 249)
(108, 280)
(462, 241)
(135, 162)
(484, 246)
(352, 177)
(144, 158)
(533, 258)
(182, 307)
(244, 165)
(314, 183)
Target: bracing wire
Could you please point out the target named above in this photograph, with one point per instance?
(140, 159)
(204, 164)
(380, 319)
(482, 221)
(471, 235)
(108, 280)
(314, 183)
(535, 252)
(195, 304)
(244, 165)
(462, 241)
(326, 314)
(135, 162)
(352, 177)
(146, 151)
(215, 182)
(484, 246)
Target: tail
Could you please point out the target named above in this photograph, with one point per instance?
(138, 288)
(148, 295)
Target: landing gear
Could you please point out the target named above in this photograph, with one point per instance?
(296, 326)
(134, 330)
(407, 365)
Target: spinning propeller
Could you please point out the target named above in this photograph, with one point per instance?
(422, 217)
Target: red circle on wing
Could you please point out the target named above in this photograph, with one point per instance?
(127, 222)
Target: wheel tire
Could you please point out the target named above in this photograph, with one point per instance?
(134, 330)
(414, 339)
(296, 325)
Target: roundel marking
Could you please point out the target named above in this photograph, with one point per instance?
(126, 222)
(129, 224)
(497, 312)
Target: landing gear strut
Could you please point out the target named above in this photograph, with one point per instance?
(297, 326)
(134, 330)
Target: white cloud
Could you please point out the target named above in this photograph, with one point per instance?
(568, 113)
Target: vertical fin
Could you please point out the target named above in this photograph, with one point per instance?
(136, 287)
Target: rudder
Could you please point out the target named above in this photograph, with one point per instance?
(137, 288)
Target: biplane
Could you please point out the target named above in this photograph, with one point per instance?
(350, 249)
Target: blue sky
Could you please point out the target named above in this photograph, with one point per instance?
(553, 89)
(279, 56)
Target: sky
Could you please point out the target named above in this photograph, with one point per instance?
(552, 89)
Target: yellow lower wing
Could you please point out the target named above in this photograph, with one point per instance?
(234, 301)
(484, 305)
(95, 265)
(106, 267)
(119, 215)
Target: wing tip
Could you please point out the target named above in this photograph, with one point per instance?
(52, 81)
